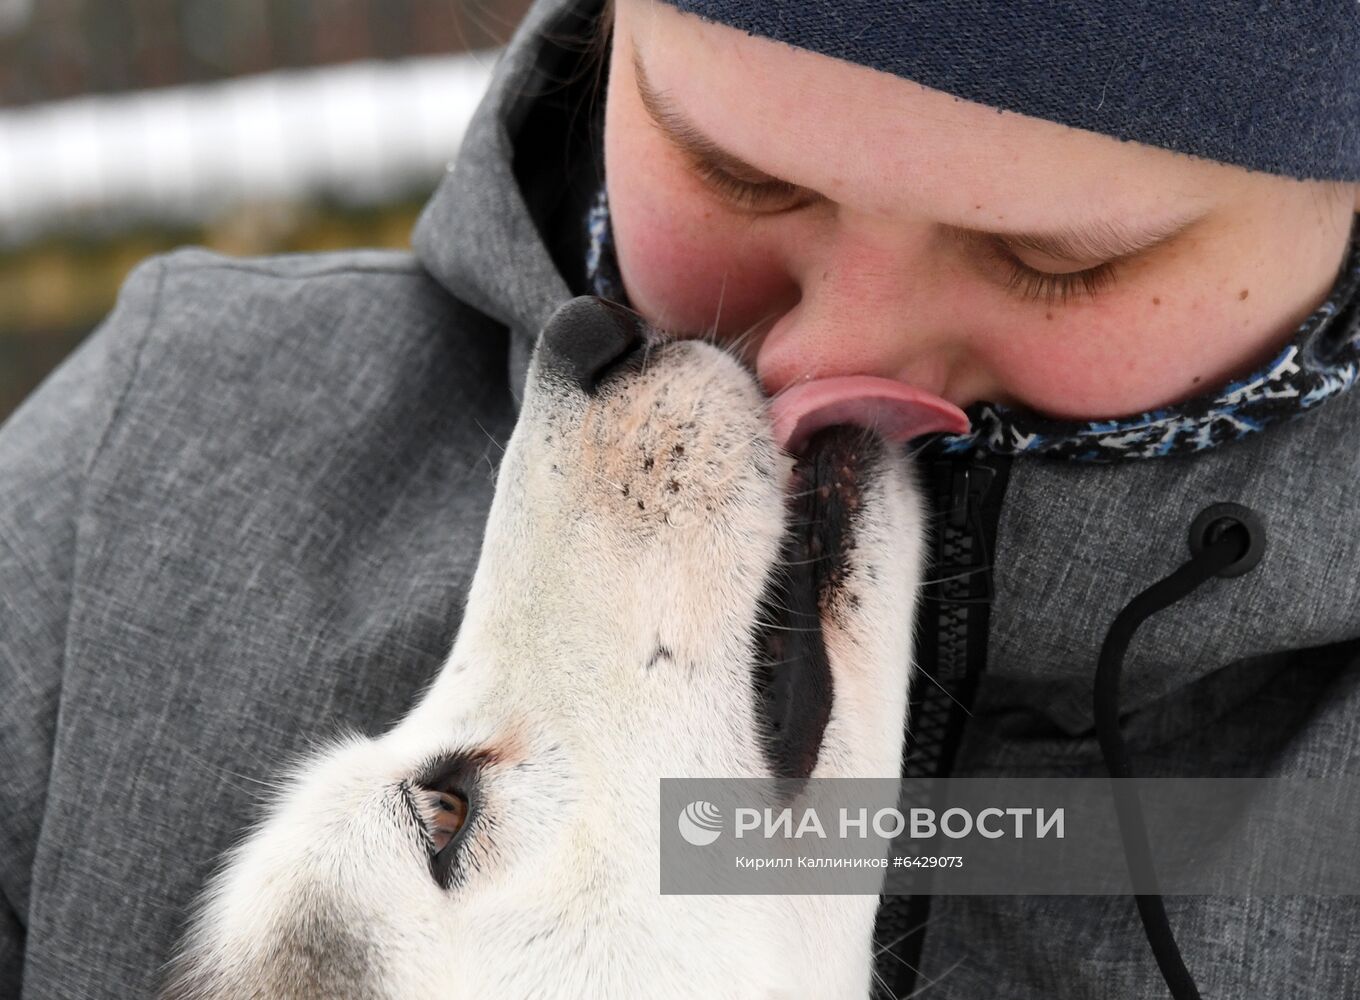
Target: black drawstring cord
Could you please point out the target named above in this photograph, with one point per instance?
(1226, 540)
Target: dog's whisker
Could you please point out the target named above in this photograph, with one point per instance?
(781, 663)
(601, 477)
(902, 937)
(932, 982)
(947, 693)
(885, 988)
(489, 436)
(779, 607)
(647, 347)
(900, 960)
(225, 775)
(773, 627)
(717, 316)
(737, 345)
(955, 576)
(918, 991)
(939, 515)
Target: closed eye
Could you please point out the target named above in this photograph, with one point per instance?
(766, 196)
(1031, 283)
(1027, 283)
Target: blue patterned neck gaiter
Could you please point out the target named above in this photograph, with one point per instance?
(1321, 360)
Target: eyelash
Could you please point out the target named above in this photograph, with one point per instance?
(744, 193)
(1029, 283)
(1033, 285)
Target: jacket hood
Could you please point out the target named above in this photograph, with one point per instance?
(483, 235)
(1074, 543)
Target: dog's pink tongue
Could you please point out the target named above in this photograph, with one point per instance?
(896, 411)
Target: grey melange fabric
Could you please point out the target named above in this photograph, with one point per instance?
(246, 512)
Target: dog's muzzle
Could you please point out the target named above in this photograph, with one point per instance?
(589, 341)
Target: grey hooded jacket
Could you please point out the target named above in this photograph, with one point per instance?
(245, 513)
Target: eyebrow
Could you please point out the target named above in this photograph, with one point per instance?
(1105, 239)
(686, 135)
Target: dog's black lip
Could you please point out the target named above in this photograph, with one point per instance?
(792, 676)
(631, 362)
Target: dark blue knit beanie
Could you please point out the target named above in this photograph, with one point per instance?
(1272, 85)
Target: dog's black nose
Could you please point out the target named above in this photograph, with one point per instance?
(586, 336)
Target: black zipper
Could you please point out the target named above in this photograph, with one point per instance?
(951, 653)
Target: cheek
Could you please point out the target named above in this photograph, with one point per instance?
(686, 261)
(1087, 371)
(1128, 358)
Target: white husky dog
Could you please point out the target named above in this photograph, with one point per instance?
(624, 625)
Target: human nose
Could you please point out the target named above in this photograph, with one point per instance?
(871, 305)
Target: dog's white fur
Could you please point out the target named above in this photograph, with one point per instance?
(645, 517)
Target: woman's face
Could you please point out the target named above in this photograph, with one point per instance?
(845, 221)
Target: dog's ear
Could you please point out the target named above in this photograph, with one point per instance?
(315, 964)
(194, 976)
(188, 980)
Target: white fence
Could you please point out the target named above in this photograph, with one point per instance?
(362, 132)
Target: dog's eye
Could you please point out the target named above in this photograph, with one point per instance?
(453, 806)
(450, 815)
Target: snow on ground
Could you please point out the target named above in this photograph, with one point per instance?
(362, 132)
